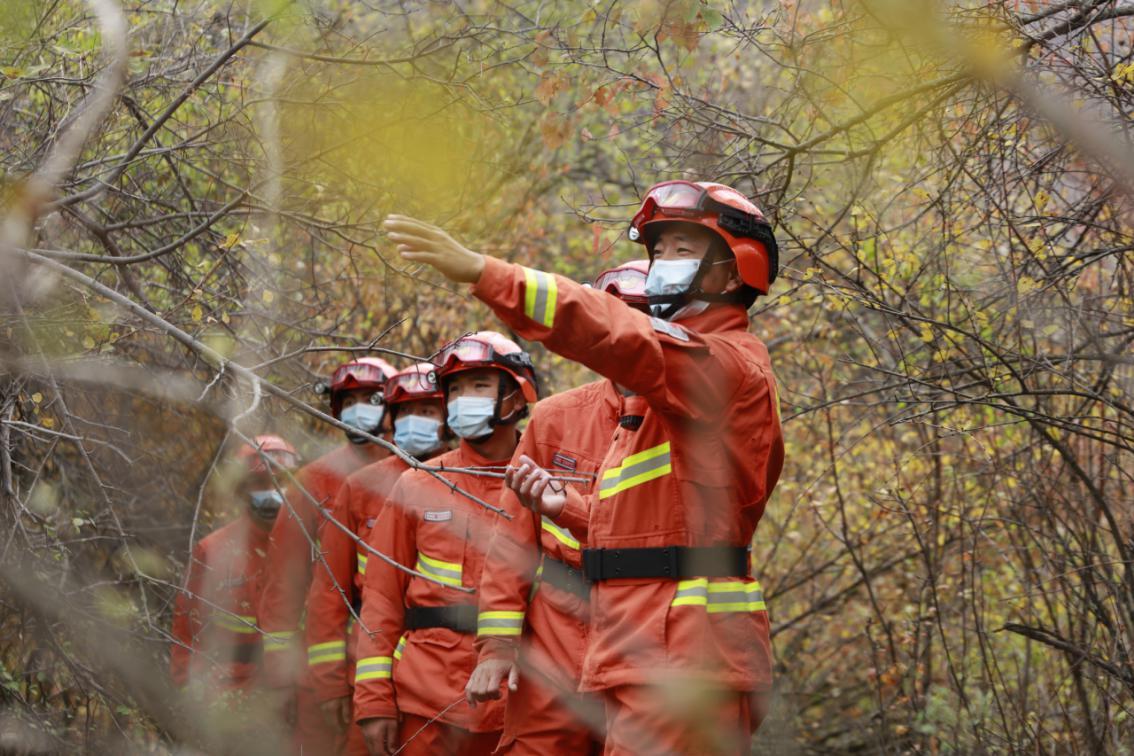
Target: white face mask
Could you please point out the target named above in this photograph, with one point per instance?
(673, 277)
(265, 504)
(470, 417)
(364, 416)
(417, 435)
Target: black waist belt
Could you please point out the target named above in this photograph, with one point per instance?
(566, 578)
(666, 563)
(460, 618)
(247, 653)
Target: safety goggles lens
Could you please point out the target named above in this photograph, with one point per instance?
(361, 373)
(677, 195)
(463, 350)
(622, 282)
(415, 383)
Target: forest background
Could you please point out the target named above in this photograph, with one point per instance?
(192, 193)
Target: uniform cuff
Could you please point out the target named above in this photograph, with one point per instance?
(576, 514)
(496, 277)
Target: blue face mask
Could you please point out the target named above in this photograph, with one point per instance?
(417, 435)
(470, 417)
(673, 277)
(364, 416)
(265, 505)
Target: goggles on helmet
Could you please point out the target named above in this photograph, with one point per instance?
(626, 283)
(359, 372)
(408, 386)
(684, 199)
(472, 352)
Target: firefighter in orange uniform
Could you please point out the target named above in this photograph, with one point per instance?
(215, 627)
(416, 408)
(569, 432)
(678, 642)
(441, 534)
(356, 399)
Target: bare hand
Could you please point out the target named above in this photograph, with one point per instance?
(532, 485)
(336, 713)
(381, 735)
(484, 683)
(423, 242)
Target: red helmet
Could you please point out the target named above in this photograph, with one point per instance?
(489, 349)
(364, 373)
(280, 451)
(721, 209)
(417, 382)
(627, 282)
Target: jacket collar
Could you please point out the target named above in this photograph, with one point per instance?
(717, 318)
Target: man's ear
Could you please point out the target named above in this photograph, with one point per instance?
(734, 280)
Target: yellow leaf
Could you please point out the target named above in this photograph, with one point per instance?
(268, 297)
(37, 397)
(47, 422)
(230, 241)
(88, 342)
(198, 313)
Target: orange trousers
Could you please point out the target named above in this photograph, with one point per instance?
(543, 718)
(417, 737)
(680, 719)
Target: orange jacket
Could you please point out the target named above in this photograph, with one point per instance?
(291, 553)
(697, 472)
(427, 527)
(215, 627)
(336, 585)
(568, 432)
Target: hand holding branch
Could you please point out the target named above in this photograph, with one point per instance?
(535, 488)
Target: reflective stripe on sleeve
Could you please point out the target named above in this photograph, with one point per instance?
(322, 653)
(280, 640)
(719, 597)
(237, 623)
(499, 623)
(362, 559)
(540, 295)
(400, 648)
(447, 572)
(563, 535)
(635, 470)
(373, 668)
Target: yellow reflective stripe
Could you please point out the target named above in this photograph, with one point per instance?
(563, 535)
(279, 640)
(240, 623)
(400, 648)
(722, 596)
(776, 399)
(541, 293)
(447, 572)
(321, 653)
(635, 470)
(362, 559)
(500, 623)
(373, 668)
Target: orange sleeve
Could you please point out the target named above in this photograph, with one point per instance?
(288, 568)
(186, 619)
(328, 609)
(383, 606)
(509, 568)
(670, 366)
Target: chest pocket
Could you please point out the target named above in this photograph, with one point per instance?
(442, 537)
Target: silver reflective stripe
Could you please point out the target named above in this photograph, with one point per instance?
(636, 469)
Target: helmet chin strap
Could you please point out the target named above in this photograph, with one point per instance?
(514, 417)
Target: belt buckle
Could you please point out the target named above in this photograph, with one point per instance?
(671, 566)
